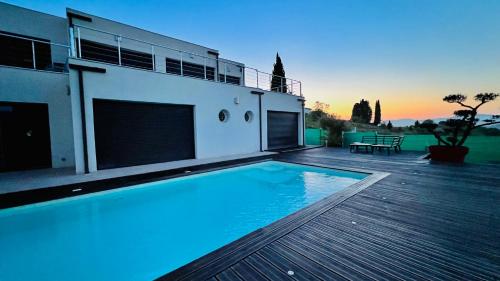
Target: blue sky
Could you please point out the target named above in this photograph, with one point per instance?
(406, 53)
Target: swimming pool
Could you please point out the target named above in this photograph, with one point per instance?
(145, 231)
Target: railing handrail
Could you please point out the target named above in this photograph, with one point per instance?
(181, 51)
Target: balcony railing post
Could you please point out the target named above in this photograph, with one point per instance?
(225, 72)
(291, 86)
(257, 73)
(33, 53)
(119, 39)
(72, 49)
(205, 68)
(182, 68)
(281, 84)
(153, 57)
(243, 76)
(79, 43)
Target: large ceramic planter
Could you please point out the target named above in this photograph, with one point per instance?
(448, 153)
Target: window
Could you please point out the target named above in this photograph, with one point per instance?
(229, 79)
(223, 115)
(173, 66)
(248, 116)
(137, 59)
(18, 52)
(107, 53)
(99, 52)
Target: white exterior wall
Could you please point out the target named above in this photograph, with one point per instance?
(52, 88)
(212, 137)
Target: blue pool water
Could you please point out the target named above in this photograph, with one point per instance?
(144, 231)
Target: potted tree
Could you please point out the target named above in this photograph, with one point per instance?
(452, 133)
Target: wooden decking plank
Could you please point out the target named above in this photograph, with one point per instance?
(246, 272)
(266, 268)
(415, 260)
(285, 265)
(228, 275)
(403, 250)
(454, 233)
(450, 216)
(393, 266)
(305, 262)
(439, 214)
(407, 237)
(423, 200)
(359, 263)
(336, 264)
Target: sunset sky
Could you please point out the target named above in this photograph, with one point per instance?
(407, 53)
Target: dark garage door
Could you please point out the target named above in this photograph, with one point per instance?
(24, 136)
(136, 133)
(282, 130)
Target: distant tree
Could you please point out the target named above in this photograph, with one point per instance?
(316, 115)
(417, 124)
(389, 125)
(278, 81)
(321, 106)
(378, 114)
(427, 122)
(362, 112)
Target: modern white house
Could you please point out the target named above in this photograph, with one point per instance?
(91, 93)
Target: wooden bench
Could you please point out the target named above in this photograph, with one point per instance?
(379, 142)
(386, 142)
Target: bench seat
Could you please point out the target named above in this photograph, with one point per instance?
(378, 142)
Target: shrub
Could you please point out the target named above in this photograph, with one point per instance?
(334, 127)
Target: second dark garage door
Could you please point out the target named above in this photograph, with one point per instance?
(137, 133)
(282, 130)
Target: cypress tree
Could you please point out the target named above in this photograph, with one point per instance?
(278, 82)
(378, 114)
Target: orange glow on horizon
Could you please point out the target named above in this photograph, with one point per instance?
(403, 108)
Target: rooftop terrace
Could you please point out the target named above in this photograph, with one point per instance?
(424, 221)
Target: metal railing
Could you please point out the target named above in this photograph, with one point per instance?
(131, 52)
(44, 55)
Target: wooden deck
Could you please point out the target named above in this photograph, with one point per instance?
(423, 221)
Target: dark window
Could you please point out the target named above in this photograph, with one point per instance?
(173, 66)
(99, 52)
(137, 59)
(248, 116)
(18, 52)
(107, 53)
(223, 115)
(229, 79)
